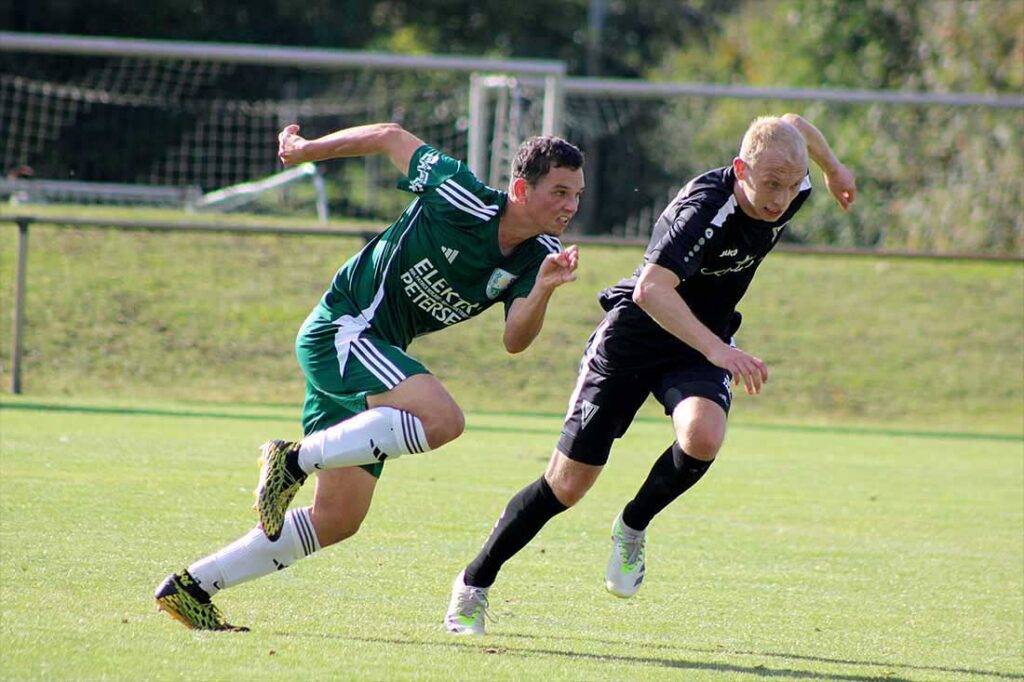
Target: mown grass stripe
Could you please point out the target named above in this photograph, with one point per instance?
(790, 428)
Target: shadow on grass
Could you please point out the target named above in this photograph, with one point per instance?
(796, 657)
(497, 648)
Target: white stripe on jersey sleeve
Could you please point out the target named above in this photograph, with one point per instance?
(550, 243)
(460, 204)
(470, 198)
(727, 210)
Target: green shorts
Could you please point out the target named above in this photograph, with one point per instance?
(344, 362)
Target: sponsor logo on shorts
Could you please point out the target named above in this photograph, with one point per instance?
(587, 412)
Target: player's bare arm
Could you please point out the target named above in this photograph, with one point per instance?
(526, 316)
(391, 139)
(656, 294)
(838, 178)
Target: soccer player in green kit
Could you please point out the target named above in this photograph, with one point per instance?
(458, 248)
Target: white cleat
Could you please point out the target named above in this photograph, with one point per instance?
(625, 569)
(467, 608)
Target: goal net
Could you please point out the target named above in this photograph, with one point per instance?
(209, 125)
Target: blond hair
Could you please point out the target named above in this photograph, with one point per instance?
(772, 132)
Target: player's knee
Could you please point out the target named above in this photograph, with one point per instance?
(330, 536)
(569, 491)
(569, 485)
(444, 427)
(331, 530)
(701, 445)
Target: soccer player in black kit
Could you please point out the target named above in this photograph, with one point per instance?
(667, 333)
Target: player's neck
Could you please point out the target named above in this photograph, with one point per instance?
(514, 228)
(741, 200)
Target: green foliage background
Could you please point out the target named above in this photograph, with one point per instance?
(940, 179)
(934, 179)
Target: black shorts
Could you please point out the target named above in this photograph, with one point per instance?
(606, 399)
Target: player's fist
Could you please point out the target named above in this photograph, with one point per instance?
(290, 145)
(842, 185)
(559, 268)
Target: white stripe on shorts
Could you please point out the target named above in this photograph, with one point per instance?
(377, 364)
(588, 355)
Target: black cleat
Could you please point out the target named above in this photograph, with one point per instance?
(184, 601)
(277, 486)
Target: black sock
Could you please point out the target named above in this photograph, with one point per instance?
(524, 516)
(673, 474)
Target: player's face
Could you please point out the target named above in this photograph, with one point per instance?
(555, 199)
(766, 190)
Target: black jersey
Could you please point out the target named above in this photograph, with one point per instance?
(714, 248)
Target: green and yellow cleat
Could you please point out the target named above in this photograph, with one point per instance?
(184, 601)
(277, 486)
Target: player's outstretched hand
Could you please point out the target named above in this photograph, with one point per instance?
(559, 268)
(290, 145)
(842, 185)
(743, 366)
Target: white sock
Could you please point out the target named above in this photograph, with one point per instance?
(253, 555)
(368, 437)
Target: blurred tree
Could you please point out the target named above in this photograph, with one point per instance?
(635, 35)
(930, 177)
(287, 22)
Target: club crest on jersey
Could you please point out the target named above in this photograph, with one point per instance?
(499, 281)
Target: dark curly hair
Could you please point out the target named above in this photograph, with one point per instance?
(538, 155)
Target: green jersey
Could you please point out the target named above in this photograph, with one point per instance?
(439, 263)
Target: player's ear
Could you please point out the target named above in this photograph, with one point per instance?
(518, 189)
(739, 168)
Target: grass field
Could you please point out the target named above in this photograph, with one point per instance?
(807, 553)
(865, 521)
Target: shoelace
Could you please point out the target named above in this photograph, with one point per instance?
(632, 547)
(473, 598)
